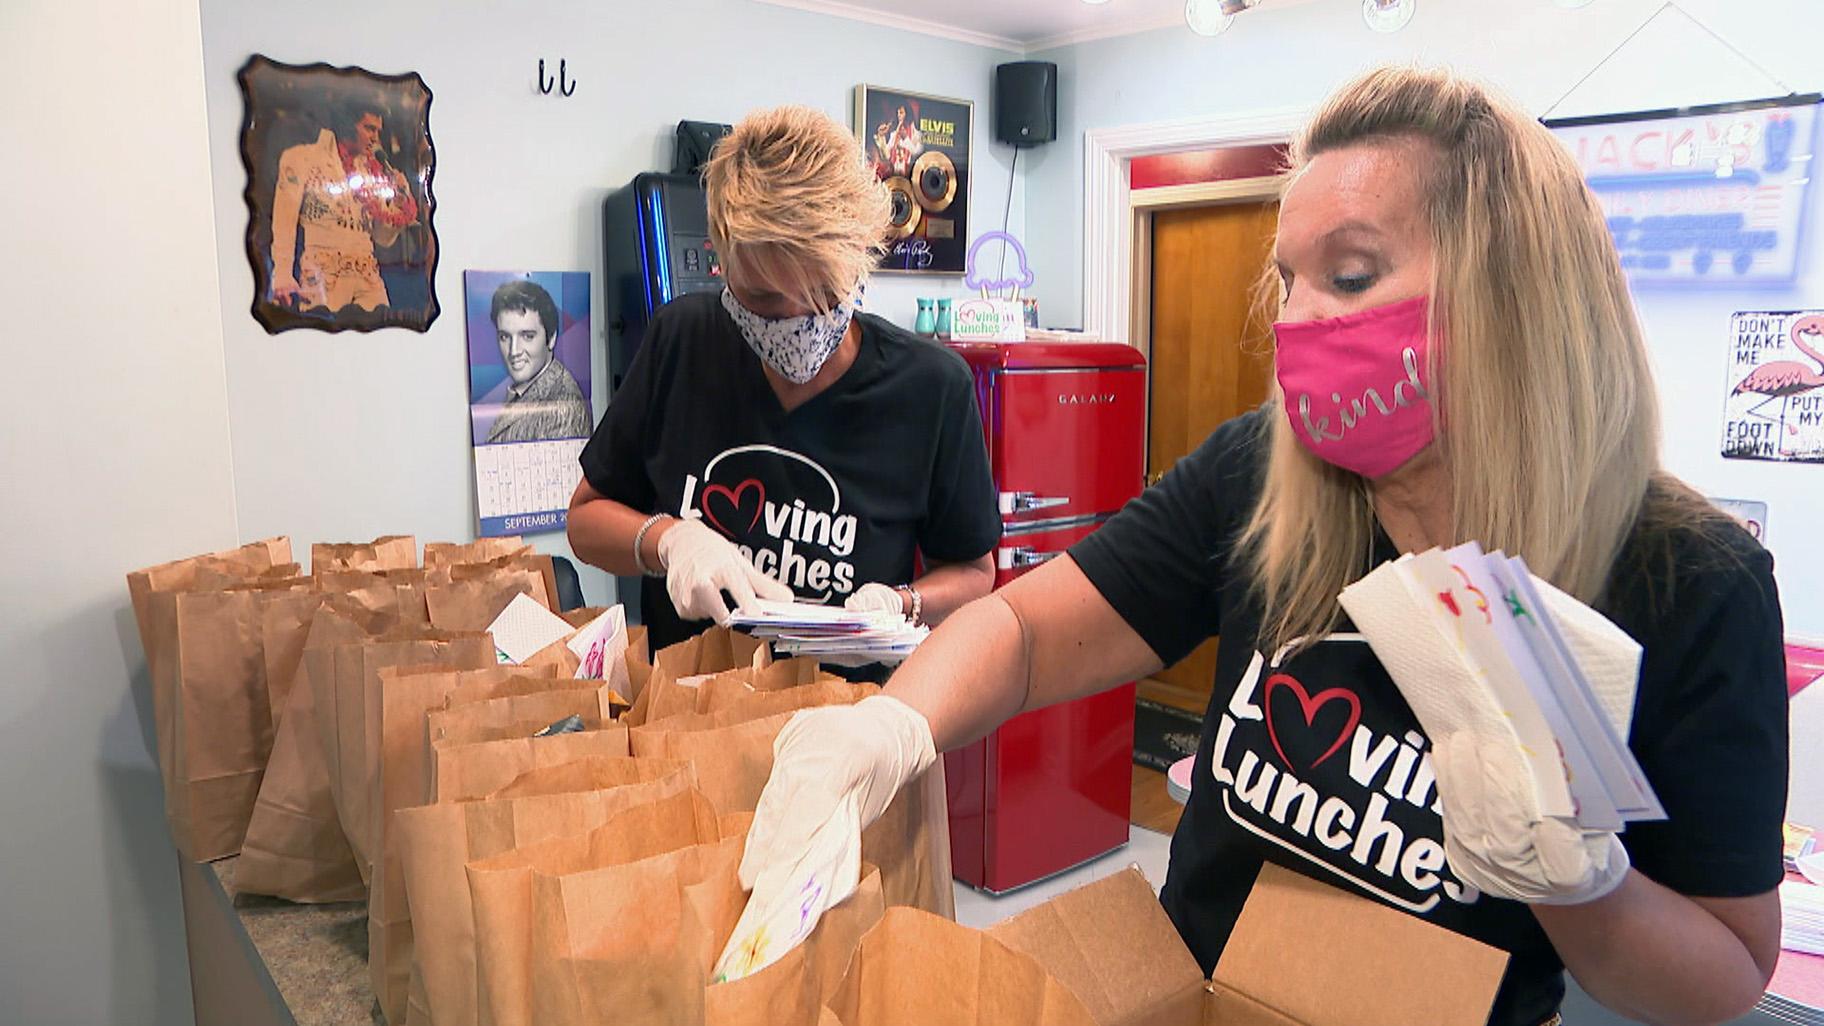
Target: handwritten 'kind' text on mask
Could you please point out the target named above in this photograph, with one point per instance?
(1406, 393)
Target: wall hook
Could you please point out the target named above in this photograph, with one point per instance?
(562, 82)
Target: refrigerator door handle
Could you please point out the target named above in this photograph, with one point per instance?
(1023, 557)
(1025, 502)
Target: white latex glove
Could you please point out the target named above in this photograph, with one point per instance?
(1496, 846)
(876, 598)
(701, 564)
(825, 757)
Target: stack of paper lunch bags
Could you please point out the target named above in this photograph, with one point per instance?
(555, 840)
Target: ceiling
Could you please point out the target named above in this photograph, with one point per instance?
(1011, 24)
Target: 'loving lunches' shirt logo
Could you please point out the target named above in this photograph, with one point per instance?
(784, 513)
(1298, 767)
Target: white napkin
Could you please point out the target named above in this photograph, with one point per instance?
(1609, 657)
(524, 627)
(1396, 607)
(1431, 671)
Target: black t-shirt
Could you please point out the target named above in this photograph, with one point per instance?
(1315, 762)
(847, 489)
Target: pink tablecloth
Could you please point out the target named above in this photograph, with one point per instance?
(1799, 978)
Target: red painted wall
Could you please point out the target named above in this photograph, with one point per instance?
(1199, 166)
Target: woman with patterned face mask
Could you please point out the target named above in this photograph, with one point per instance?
(773, 441)
(1457, 359)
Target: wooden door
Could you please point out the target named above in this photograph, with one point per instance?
(1211, 356)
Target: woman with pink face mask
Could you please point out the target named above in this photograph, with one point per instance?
(1457, 360)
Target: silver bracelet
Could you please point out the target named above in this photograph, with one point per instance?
(639, 539)
(917, 615)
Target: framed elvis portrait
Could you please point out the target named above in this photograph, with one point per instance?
(339, 164)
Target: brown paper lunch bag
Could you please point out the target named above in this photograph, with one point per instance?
(473, 604)
(246, 562)
(295, 847)
(732, 762)
(353, 750)
(732, 708)
(537, 907)
(674, 696)
(910, 842)
(478, 551)
(225, 577)
(436, 841)
(726, 689)
(406, 588)
(793, 990)
(464, 772)
(286, 606)
(177, 575)
(388, 552)
(521, 683)
(408, 695)
(717, 650)
(284, 628)
(212, 710)
(525, 560)
(504, 681)
(639, 660)
(520, 715)
(917, 968)
(472, 686)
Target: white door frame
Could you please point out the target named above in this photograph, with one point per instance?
(1108, 211)
(1147, 202)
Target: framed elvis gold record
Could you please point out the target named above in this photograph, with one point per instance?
(920, 145)
(906, 209)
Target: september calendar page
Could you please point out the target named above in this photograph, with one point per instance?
(529, 394)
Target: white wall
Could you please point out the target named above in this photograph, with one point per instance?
(345, 436)
(1613, 56)
(114, 450)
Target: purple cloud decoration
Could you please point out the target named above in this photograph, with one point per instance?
(1021, 279)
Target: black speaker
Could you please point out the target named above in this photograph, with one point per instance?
(695, 140)
(1026, 102)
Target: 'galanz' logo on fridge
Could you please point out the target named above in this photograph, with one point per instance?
(1086, 399)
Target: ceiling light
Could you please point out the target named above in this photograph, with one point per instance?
(1388, 15)
(1207, 17)
(1096, 2)
(1572, 3)
(1213, 17)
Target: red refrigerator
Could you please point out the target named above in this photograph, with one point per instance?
(1065, 425)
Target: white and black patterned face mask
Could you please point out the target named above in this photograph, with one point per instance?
(796, 347)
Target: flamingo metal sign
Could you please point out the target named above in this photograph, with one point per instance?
(1775, 405)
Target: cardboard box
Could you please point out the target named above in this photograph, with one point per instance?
(1302, 954)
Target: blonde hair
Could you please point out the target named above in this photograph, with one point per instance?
(1548, 421)
(792, 202)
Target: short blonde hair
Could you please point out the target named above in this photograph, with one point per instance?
(792, 201)
(1548, 416)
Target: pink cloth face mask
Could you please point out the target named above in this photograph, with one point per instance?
(1355, 388)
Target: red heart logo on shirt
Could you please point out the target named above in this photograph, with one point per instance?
(1309, 704)
(733, 496)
